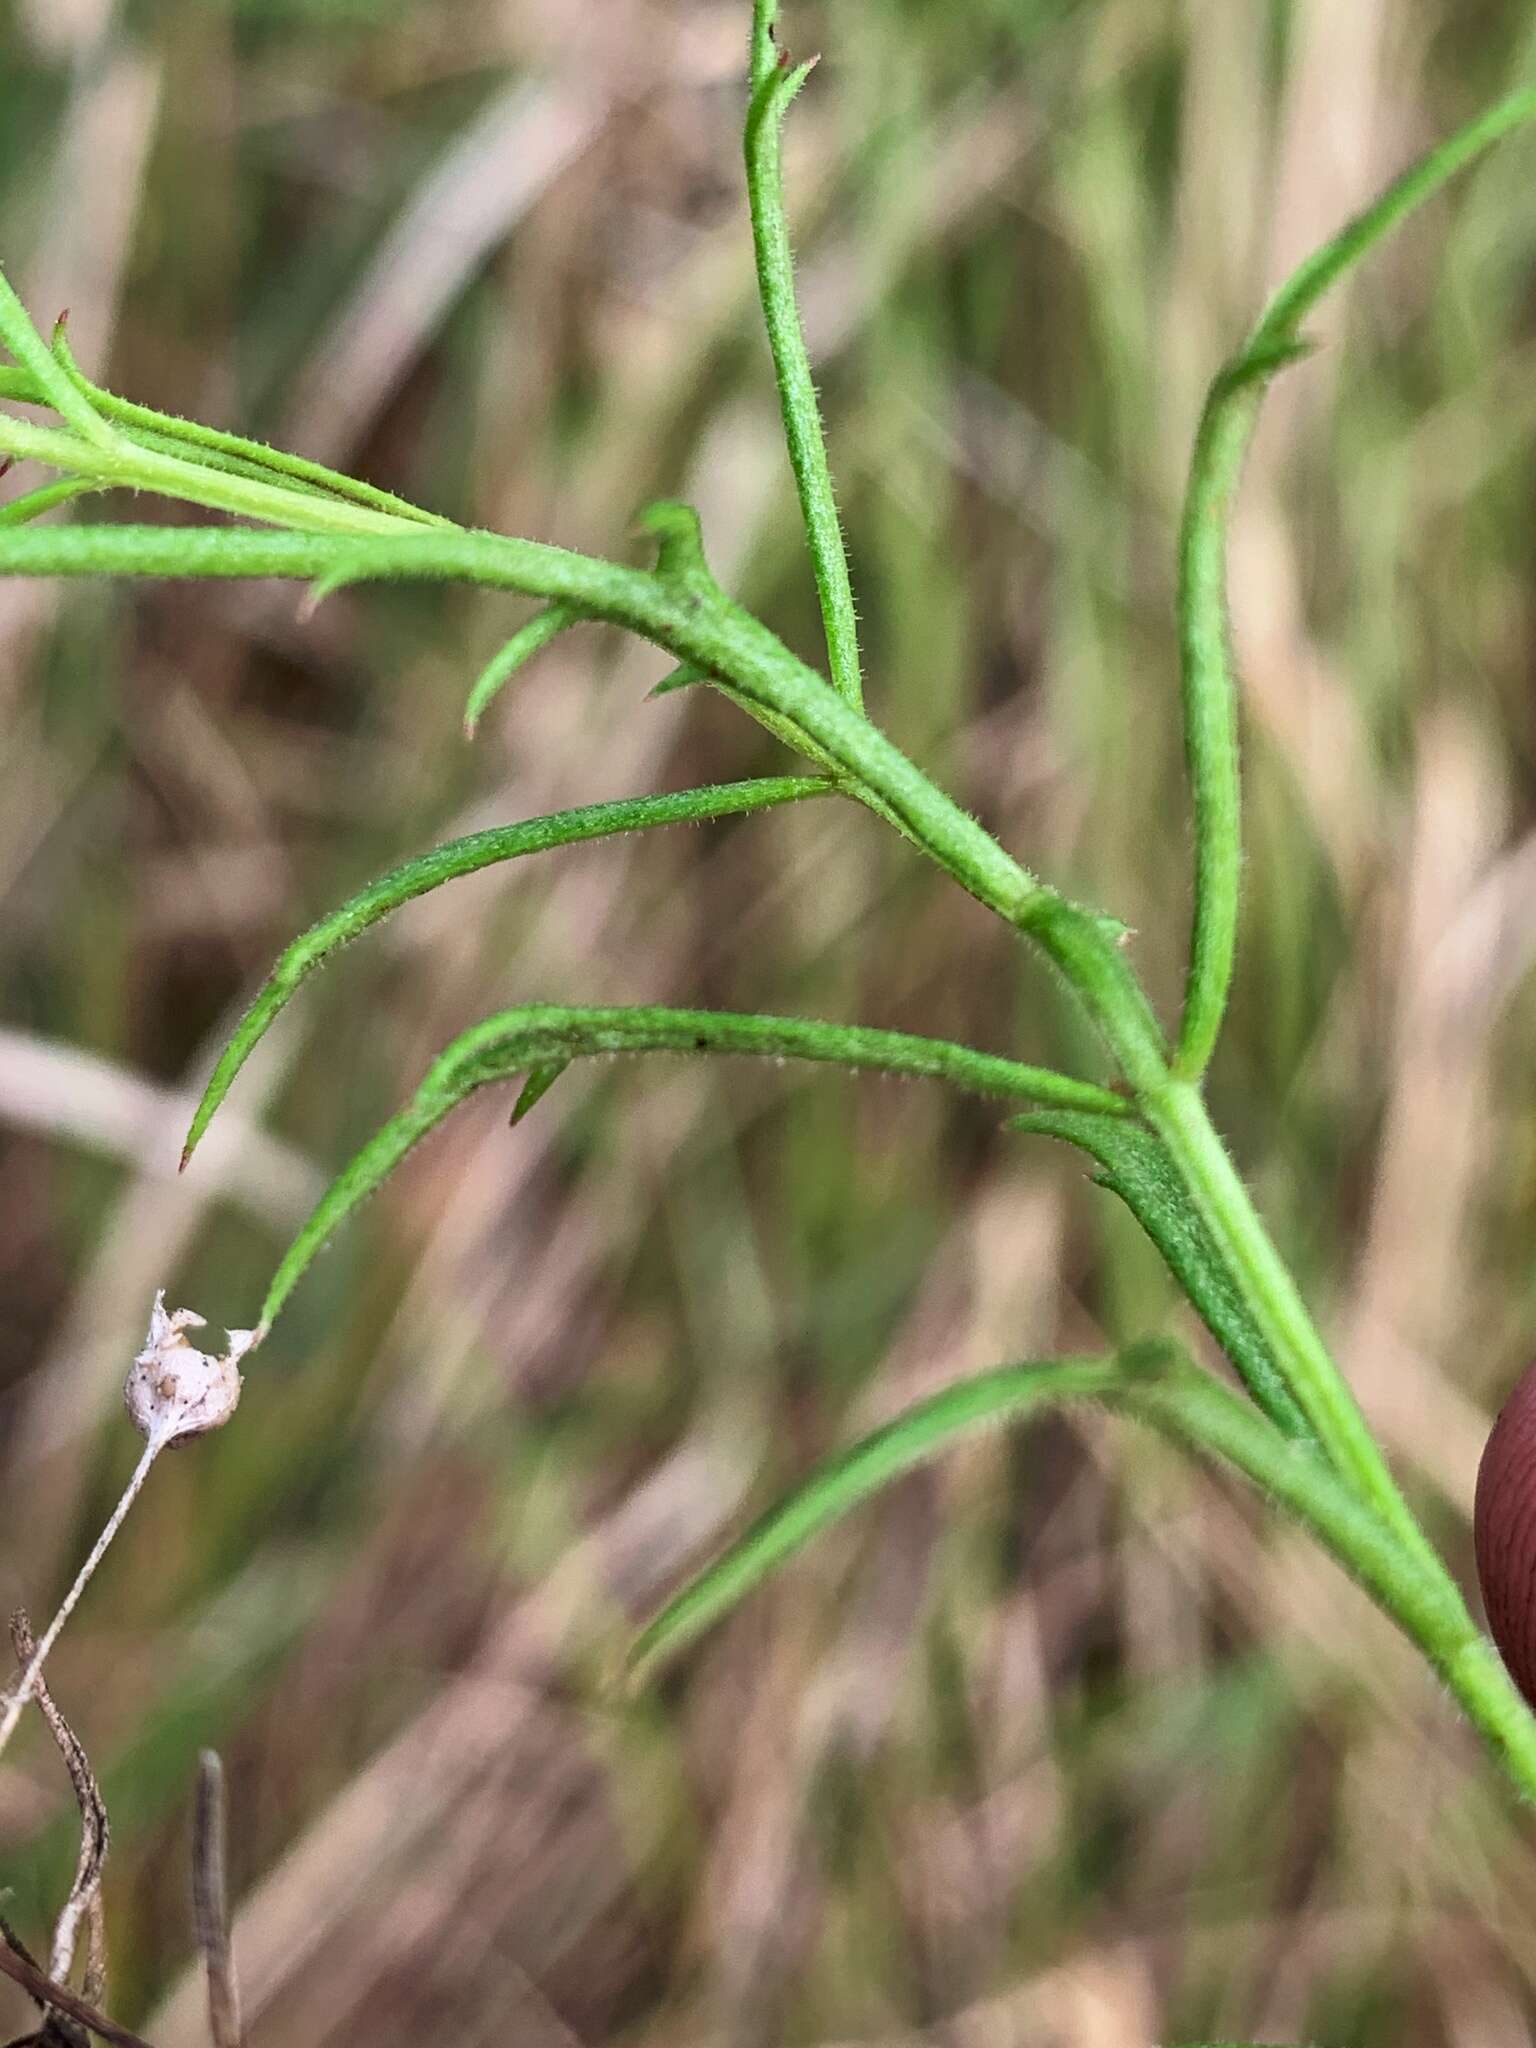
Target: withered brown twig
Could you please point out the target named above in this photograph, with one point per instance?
(210, 1904)
(53, 1998)
(84, 1901)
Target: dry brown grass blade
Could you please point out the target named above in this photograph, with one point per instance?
(210, 1904)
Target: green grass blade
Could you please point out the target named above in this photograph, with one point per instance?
(542, 1035)
(1208, 682)
(468, 856)
(543, 627)
(1135, 1165)
(843, 1482)
(773, 87)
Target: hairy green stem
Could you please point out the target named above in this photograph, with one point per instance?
(171, 434)
(1425, 1604)
(130, 465)
(1157, 1385)
(335, 531)
(1206, 670)
(52, 382)
(697, 624)
(772, 88)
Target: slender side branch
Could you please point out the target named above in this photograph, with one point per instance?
(51, 380)
(172, 434)
(1208, 684)
(773, 87)
(524, 644)
(701, 627)
(18, 511)
(843, 1481)
(133, 466)
(468, 856)
(541, 1039)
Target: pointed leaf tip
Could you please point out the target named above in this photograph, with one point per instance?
(538, 1084)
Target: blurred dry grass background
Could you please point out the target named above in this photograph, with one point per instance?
(1066, 1744)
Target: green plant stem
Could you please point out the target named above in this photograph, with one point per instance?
(171, 434)
(772, 88)
(697, 625)
(1210, 716)
(1179, 1115)
(1156, 1385)
(1206, 670)
(18, 511)
(1425, 1604)
(51, 380)
(128, 464)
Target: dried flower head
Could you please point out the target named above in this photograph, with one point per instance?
(175, 1391)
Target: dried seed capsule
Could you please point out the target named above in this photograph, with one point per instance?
(1504, 1533)
(175, 1391)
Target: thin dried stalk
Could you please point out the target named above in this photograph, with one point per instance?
(210, 1904)
(66, 2014)
(84, 1901)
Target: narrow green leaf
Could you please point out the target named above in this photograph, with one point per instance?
(168, 433)
(526, 642)
(1207, 678)
(683, 677)
(124, 463)
(842, 1482)
(1154, 1384)
(538, 1084)
(345, 570)
(466, 857)
(539, 1035)
(1136, 1165)
(774, 85)
(762, 674)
